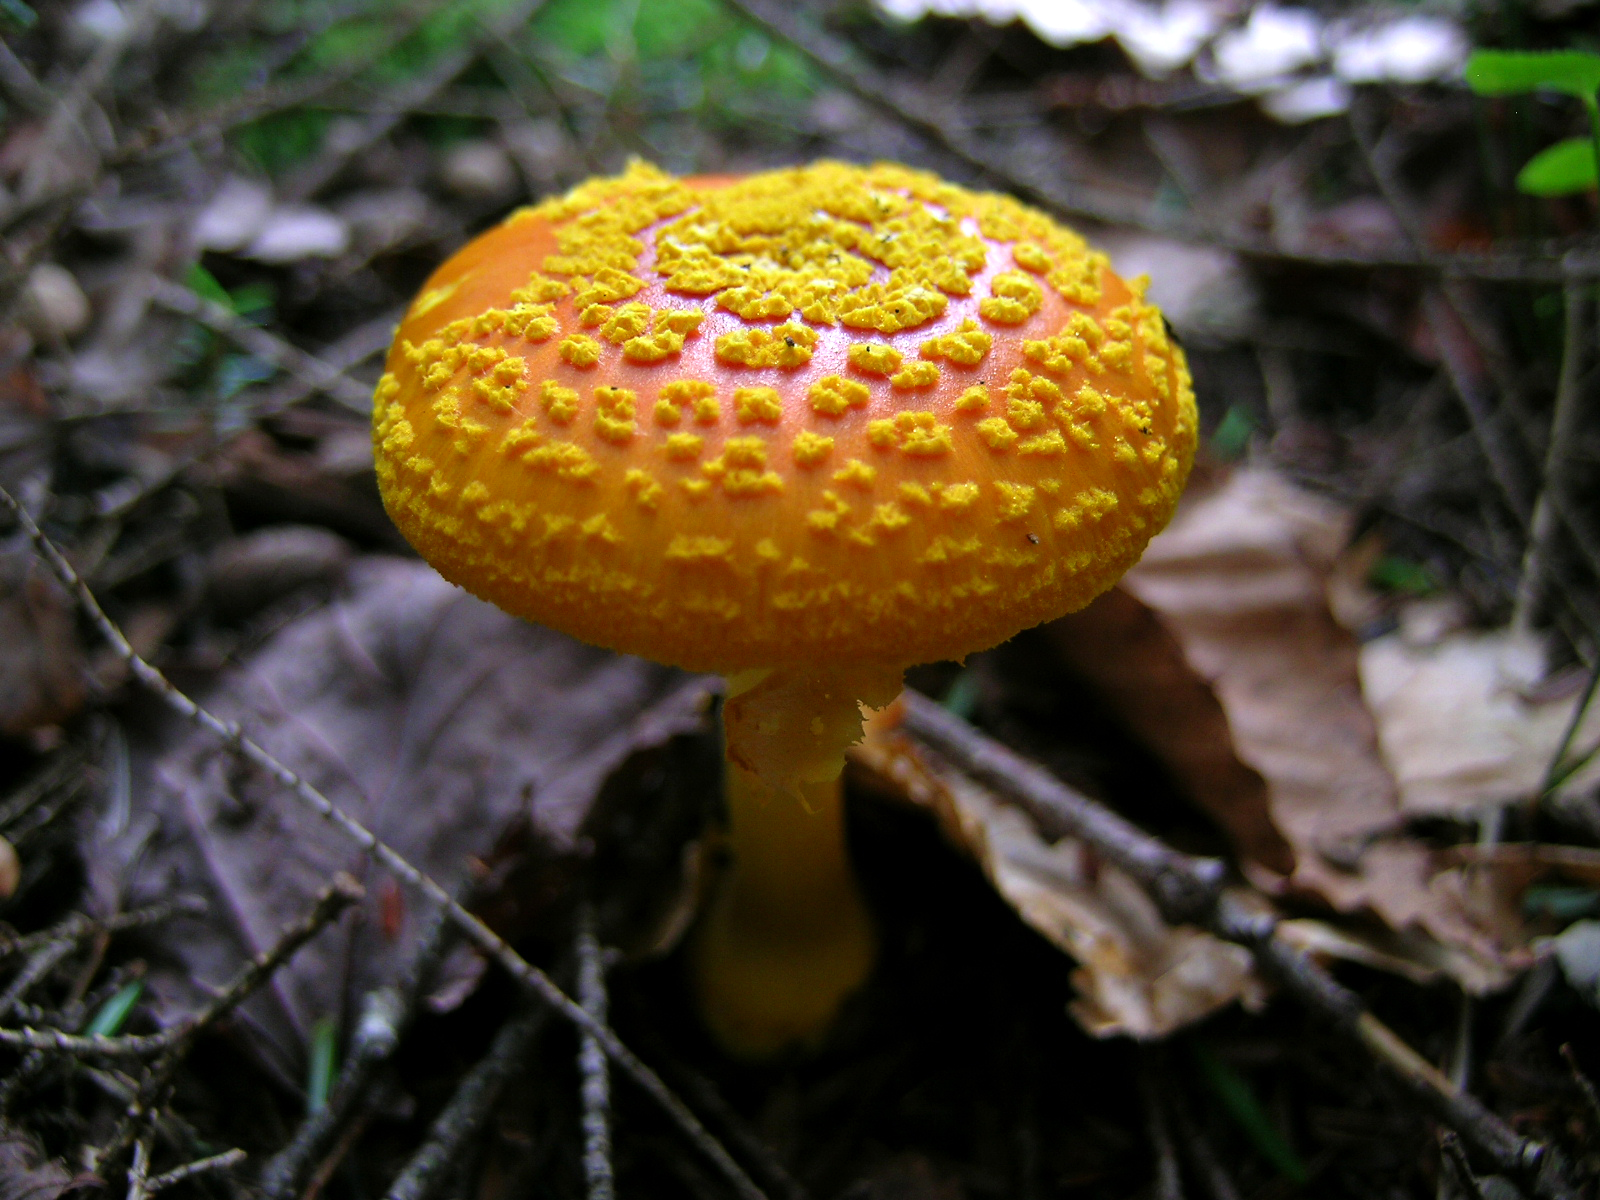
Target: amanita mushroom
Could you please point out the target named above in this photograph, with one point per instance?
(804, 428)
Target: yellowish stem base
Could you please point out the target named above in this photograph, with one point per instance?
(786, 938)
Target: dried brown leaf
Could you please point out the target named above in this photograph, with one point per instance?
(447, 727)
(1239, 582)
(1137, 974)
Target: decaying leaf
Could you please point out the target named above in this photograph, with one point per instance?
(27, 1173)
(1462, 724)
(1238, 589)
(445, 726)
(1137, 975)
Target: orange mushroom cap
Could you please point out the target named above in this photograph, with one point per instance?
(827, 413)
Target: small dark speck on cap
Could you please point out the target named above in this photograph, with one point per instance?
(1034, 538)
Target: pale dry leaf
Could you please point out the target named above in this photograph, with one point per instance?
(1137, 975)
(1461, 725)
(444, 725)
(1240, 582)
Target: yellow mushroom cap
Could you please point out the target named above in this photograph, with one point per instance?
(833, 412)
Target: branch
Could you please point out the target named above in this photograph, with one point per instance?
(216, 1162)
(385, 1014)
(927, 114)
(595, 1087)
(92, 1045)
(79, 926)
(525, 973)
(468, 1107)
(218, 318)
(1189, 889)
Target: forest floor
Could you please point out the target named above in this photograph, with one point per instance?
(1274, 873)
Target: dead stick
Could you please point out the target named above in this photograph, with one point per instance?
(1457, 1158)
(331, 901)
(1188, 889)
(384, 1017)
(1583, 1082)
(1213, 1175)
(918, 110)
(520, 969)
(469, 1106)
(594, 1085)
(263, 344)
(86, 1045)
(1169, 1182)
(1563, 435)
(216, 1162)
(80, 925)
(139, 1170)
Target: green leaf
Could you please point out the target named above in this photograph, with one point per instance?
(109, 1020)
(1392, 573)
(1560, 170)
(1236, 1096)
(1562, 903)
(1232, 434)
(324, 1052)
(1514, 72)
(964, 695)
(204, 284)
(19, 13)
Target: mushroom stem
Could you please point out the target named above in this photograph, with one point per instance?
(787, 936)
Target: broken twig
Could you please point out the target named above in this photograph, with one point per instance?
(594, 1085)
(520, 969)
(1190, 889)
(468, 1107)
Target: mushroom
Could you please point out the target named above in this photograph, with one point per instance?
(804, 428)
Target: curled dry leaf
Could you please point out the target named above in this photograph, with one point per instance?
(1137, 974)
(1236, 592)
(447, 727)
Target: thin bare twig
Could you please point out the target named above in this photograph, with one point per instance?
(40, 964)
(263, 344)
(1563, 431)
(1213, 1175)
(139, 1170)
(1457, 1158)
(79, 926)
(318, 173)
(594, 1084)
(1585, 1084)
(92, 1045)
(469, 1106)
(525, 973)
(1169, 1184)
(216, 1162)
(330, 903)
(342, 356)
(384, 1016)
(1190, 889)
(923, 112)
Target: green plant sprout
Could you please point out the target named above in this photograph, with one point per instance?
(324, 1064)
(1572, 165)
(108, 1021)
